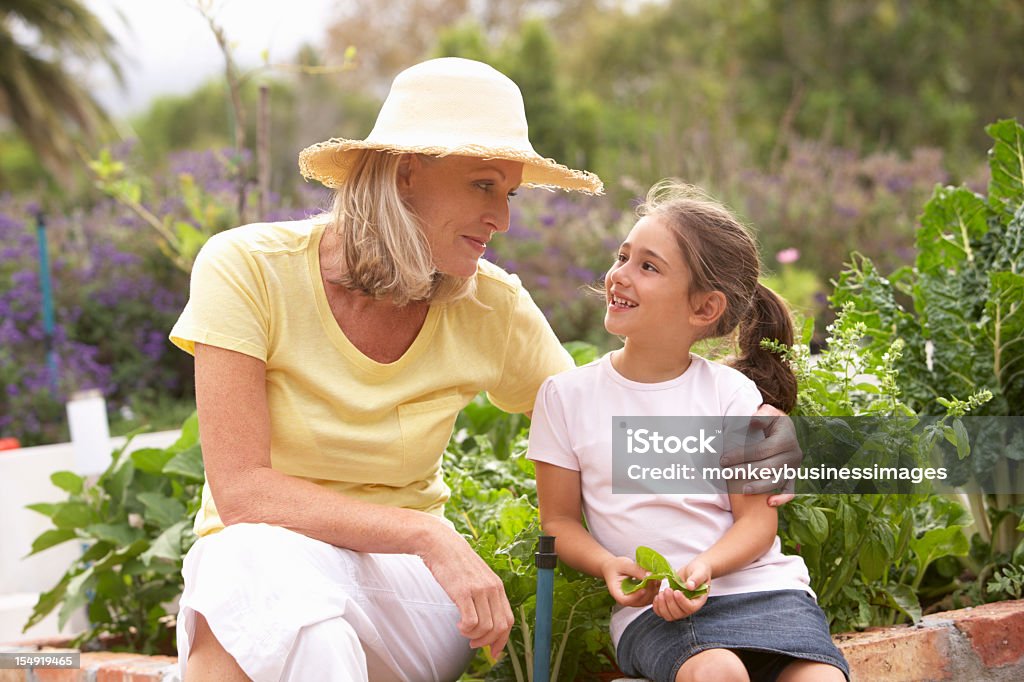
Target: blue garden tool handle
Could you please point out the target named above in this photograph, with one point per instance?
(545, 559)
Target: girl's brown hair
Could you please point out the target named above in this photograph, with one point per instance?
(722, 255)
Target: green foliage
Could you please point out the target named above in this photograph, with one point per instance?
(963, 326)
(871, 556)
(493, 503)
(1008, 581)
(178, 237)
(134, 526)
(658, 569)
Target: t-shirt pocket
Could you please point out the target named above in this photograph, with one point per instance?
(426, 429)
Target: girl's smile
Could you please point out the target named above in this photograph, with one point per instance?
(646, 289)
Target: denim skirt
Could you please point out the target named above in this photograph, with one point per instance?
(767, 630)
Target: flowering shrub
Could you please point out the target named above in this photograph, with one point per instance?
(830, 201)
(111, 317)
(117, 291)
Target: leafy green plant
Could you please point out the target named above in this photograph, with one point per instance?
(660, 569)
(871, 556)
(134, 523)
(962, 329)
(1009, 581)
(494, 504)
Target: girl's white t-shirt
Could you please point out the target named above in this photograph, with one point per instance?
(572, 428)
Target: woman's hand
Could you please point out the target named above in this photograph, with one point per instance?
(615, 570)
(779, 448)
(674, 605)
(486, 616)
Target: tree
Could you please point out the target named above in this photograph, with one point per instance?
(39, 95)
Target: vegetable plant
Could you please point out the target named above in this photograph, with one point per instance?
(959, 315)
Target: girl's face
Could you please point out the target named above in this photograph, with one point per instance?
(461, 202)
(647, 289)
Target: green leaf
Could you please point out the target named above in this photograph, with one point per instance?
(873, 560)
(76, 596)
(936, 543)
(963, 441)
(45, 508)
(69, 481)
(904, 599)
(51, 538)
(650, 560)
(119, 535)
(162, 511)
(1006, 161)
(48, 602)
(121, 556)
(1004, 325)
(151, 460)
(677, 584)
(953, 220)
(631, 585)
(189, 434)
(74, 515)
(187, 464)
(167, 547)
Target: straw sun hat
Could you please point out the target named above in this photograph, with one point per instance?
(449, 106)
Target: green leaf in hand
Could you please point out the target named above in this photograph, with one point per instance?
(660, 569)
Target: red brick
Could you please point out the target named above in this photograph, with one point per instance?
(9, 675)
(995, 631)
(58, 675)
(899, 654)
(138, 669)
(104, 662)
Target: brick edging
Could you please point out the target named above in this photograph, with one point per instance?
(981, 644)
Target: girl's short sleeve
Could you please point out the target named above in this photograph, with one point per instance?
(228, 305)
(549, 430)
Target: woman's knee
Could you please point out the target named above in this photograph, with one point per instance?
(207, 658)
(713, 664)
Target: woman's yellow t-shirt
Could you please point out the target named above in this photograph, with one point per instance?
(369, 430)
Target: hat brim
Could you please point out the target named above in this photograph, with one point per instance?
(330, 162)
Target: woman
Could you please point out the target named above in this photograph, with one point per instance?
(332, 357)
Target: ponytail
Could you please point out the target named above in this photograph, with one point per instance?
(767, 318)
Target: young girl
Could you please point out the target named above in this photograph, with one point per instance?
(687, 271)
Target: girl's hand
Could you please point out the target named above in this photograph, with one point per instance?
(674, 605)
(615, 570)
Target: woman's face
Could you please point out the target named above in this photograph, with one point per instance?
(461, 202)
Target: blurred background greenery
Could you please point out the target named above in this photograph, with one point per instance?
(825, 123)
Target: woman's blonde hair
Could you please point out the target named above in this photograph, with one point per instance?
(722, 255)
(383, 251)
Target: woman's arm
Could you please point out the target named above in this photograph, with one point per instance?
(750, 536)
(559, 498)
(234, 422)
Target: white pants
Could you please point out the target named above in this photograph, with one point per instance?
(288, 607)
